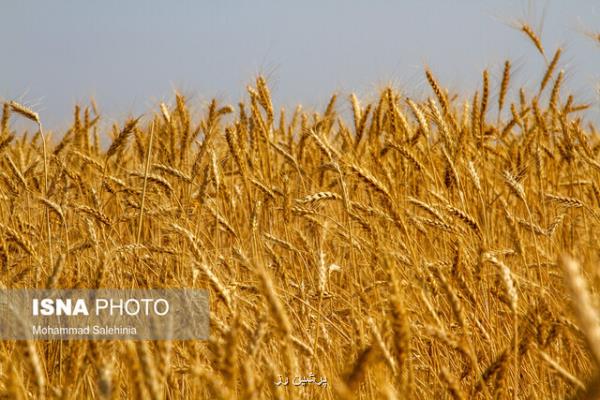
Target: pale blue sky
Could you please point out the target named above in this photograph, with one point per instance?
(130, 55)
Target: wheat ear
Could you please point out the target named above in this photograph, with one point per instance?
(146, 170)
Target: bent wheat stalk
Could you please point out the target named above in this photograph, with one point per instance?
(33, 116)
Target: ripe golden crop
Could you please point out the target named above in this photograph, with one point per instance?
(410, 251)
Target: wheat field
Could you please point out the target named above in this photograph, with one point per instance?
(412, 248)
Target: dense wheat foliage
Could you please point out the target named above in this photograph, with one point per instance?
(412, 249)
